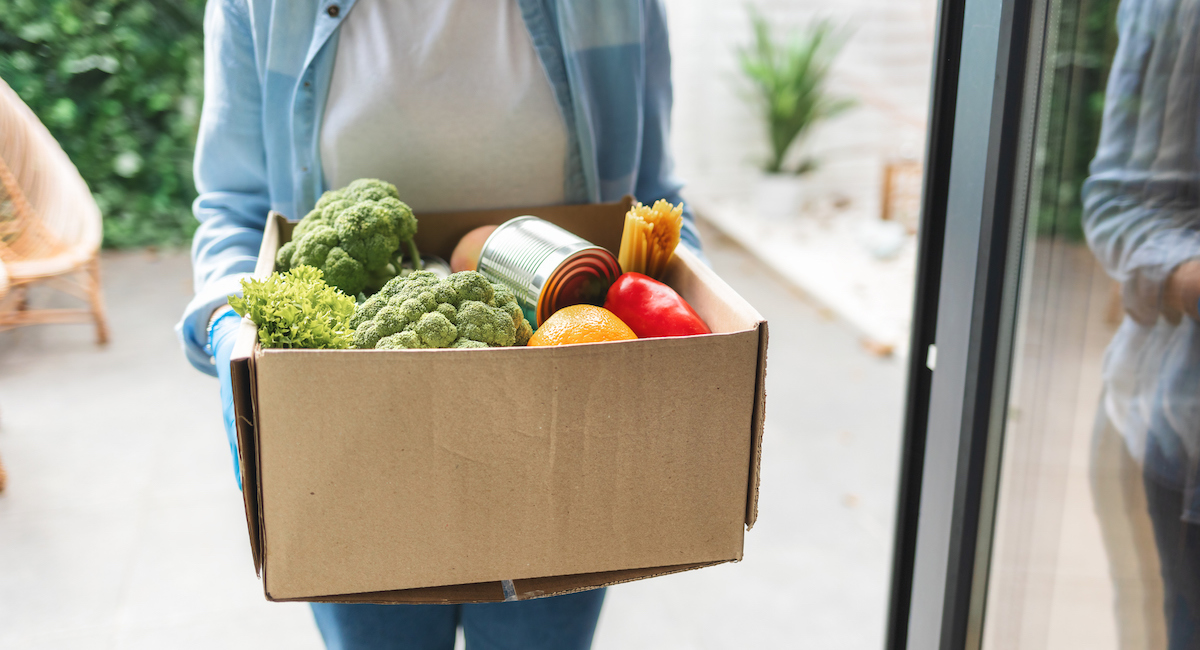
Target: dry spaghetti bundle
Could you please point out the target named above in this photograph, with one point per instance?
(651, 235)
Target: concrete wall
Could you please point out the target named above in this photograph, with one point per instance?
(885, 66)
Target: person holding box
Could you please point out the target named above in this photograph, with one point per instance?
(462, 105)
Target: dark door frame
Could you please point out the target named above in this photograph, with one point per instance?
(969, 258)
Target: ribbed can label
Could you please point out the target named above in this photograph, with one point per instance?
(547, 267)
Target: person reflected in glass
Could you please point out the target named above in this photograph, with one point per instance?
(1142, 221)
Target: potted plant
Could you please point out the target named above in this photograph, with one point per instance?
(789, 78)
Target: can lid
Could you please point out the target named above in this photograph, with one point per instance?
(582, 278)
(546, 266)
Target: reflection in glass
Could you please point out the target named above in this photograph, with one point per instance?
(1097, 538)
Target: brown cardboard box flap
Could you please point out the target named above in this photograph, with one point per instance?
(243, 397)
(760, 416)
(724, 311)
(501, 487)
(491, 592)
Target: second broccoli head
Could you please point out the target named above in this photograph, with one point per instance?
(354, 235)
(421, 310)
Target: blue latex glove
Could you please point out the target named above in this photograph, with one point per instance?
(221, 337)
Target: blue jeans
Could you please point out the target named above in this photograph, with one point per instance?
(1179, 556)
(555, 623)
(1178, 541)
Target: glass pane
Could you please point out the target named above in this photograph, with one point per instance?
(1097, 537)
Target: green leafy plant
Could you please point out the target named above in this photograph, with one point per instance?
(297, 310)
(119, 85)
(1078, 69)
(789, 79)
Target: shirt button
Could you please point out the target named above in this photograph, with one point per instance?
(333, 11)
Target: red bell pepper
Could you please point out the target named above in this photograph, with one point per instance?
(651, 308)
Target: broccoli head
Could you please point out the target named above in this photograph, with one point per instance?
(421, 310)
(354, 235)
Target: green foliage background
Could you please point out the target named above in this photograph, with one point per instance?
(1079, 65)
(119, 84)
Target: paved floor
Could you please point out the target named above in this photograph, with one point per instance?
(122, 528)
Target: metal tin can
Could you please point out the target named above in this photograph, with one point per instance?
(547, 267)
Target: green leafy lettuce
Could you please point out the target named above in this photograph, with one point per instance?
(297, 309)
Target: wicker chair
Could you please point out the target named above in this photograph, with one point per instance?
(49, 224)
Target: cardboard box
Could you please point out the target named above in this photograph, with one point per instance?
(430, 476)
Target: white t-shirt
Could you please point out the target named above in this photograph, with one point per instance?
(448, 100)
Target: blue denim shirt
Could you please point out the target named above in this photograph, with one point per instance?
(267, 72)
(1141, 215)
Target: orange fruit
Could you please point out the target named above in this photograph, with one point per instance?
(581, 324)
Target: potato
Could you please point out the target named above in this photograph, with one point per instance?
(466, 254)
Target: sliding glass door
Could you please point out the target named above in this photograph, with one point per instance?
(1049, 492)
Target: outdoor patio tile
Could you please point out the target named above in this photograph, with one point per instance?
(281, 625)
(192, 562)
(64, 573)
(69, 464)
(194, 458)
(97, 639)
